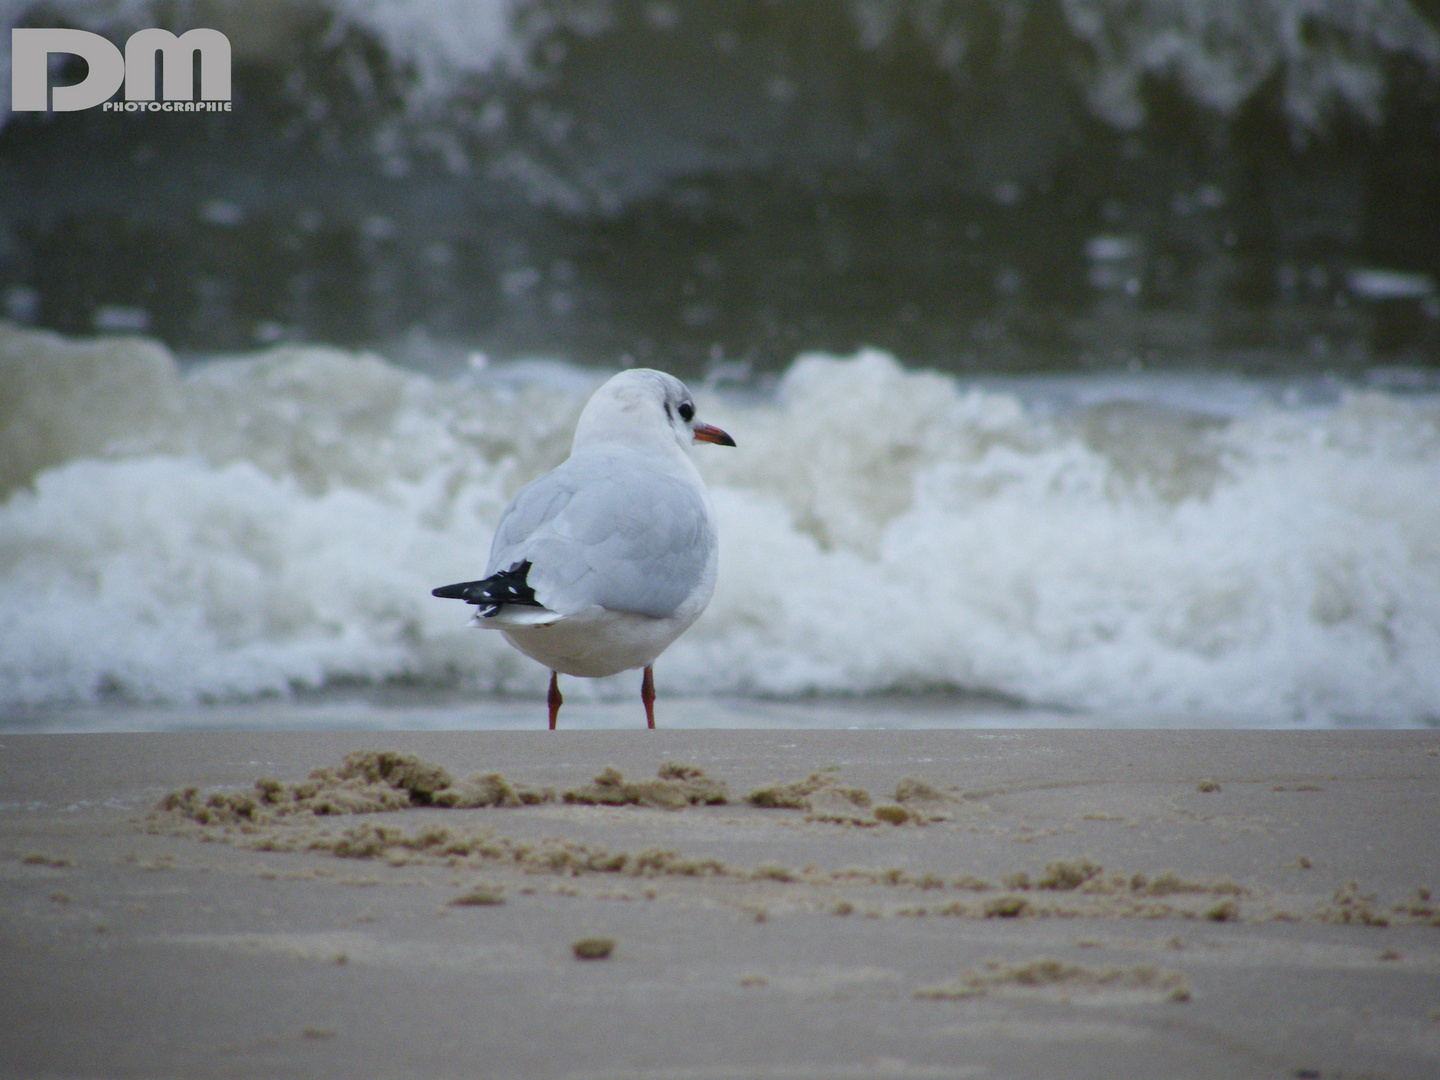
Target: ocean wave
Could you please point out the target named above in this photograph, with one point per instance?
(275, 521)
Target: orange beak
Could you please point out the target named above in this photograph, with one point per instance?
(706, 433)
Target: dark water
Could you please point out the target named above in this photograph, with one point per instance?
(692, 183)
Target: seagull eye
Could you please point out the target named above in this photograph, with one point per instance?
(687, 411)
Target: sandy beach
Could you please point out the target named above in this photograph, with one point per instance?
(716, 904)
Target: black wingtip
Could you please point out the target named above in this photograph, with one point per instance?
(459, 591)
(506, 587)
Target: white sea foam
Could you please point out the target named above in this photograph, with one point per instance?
(277, 521)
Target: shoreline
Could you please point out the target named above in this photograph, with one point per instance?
(380, 710)
(1034, 902)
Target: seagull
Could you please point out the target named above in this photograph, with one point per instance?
(597, 567)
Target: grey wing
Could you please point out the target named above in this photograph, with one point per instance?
(608, 533)
(529, 514)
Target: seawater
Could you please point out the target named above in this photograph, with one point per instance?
(1126, 548)
(1017, 185)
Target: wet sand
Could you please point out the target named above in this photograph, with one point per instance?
(714, 904)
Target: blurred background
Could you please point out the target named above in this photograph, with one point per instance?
(1083, 355)
(997, 185)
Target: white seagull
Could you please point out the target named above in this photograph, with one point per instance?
(598, 566)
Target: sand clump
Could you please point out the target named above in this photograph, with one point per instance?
(1088, 877)
(1420, 909)
(841, 805)
(1350, 905)
(1063, 876)
(674, 788)
(1005, 907)
(593, 948)
(1169, 883)
(481, 894)
(791, 796)
(558, 856)
(366, 782)
(1048, 977)
(827, 800)
(379, 781)
(350, 811)
(916, 803)
(822, 797)
(55, 862)
(892, 814)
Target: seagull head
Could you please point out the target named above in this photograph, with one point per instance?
(644, 406)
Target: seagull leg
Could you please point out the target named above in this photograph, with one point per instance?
(555, 699)
(647, 694)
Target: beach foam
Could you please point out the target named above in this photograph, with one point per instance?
(276, 521)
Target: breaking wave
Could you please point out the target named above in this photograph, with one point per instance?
(254, 525)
